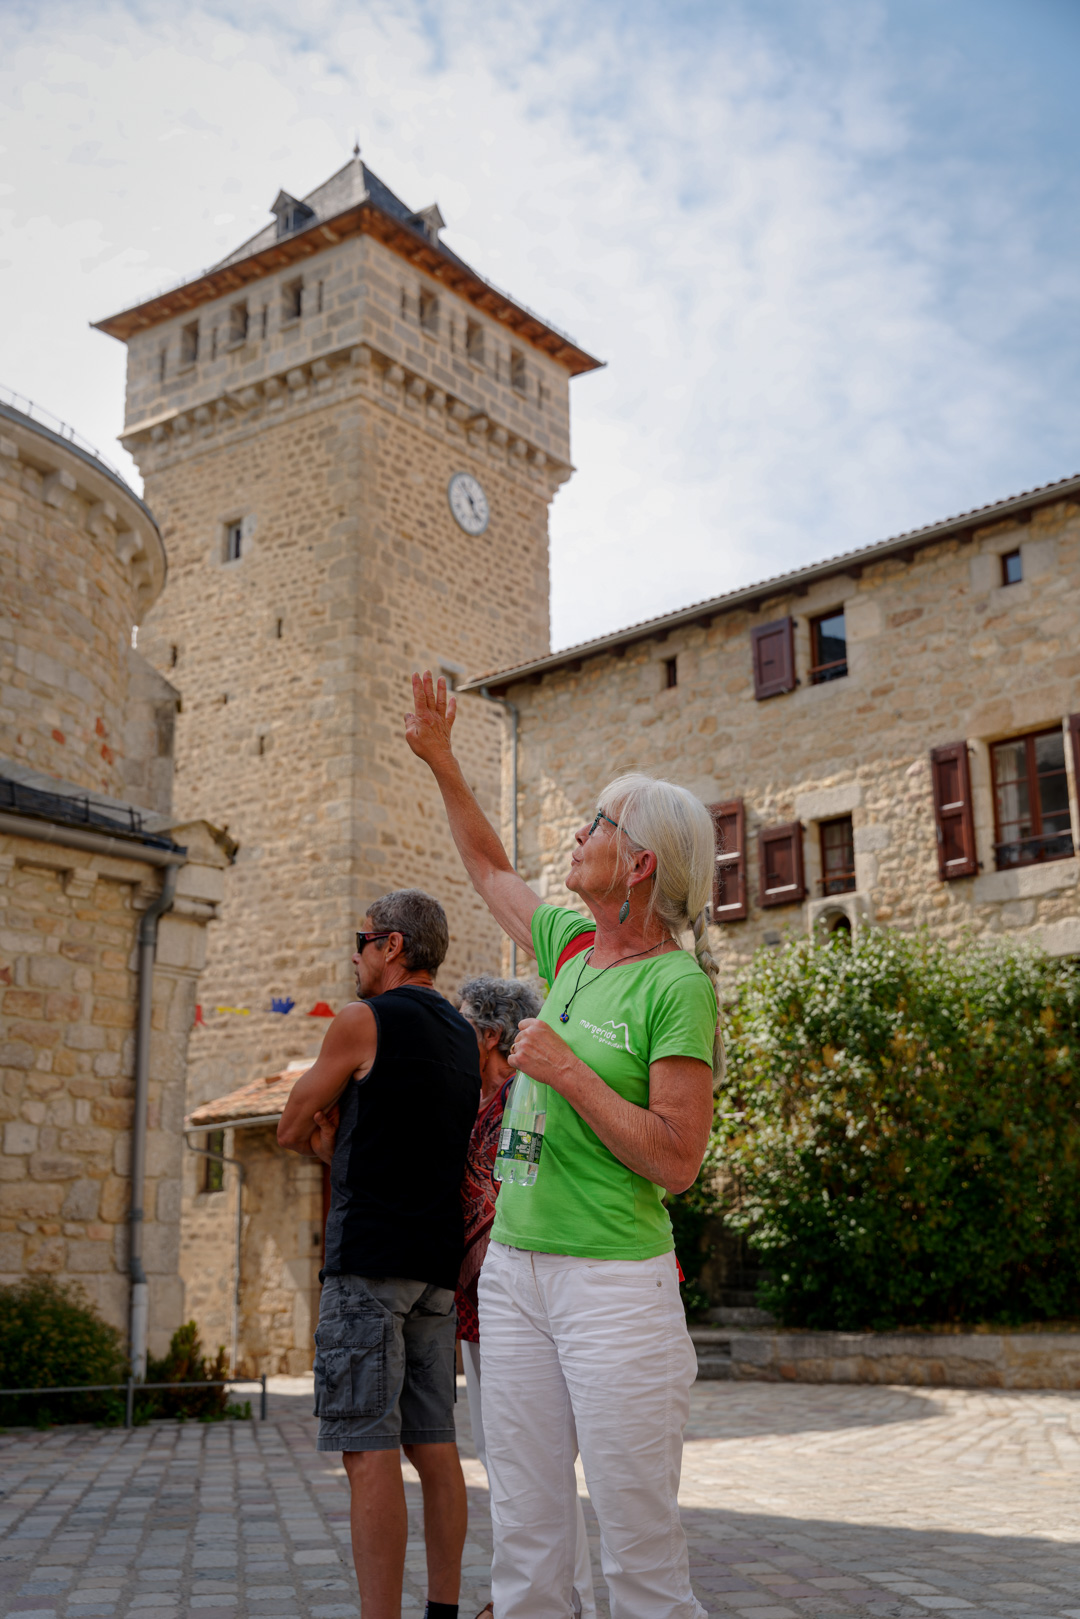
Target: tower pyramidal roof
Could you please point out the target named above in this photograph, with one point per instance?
(352, 202)
(353, 184)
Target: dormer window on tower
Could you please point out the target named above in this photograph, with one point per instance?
(291, 214)
(430, 221)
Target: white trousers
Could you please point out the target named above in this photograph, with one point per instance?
(589, 1353)
(583, 1599)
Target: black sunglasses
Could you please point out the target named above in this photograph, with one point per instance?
(368, 938)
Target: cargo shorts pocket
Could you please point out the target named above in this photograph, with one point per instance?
(350, 1366)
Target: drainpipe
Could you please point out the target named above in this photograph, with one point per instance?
(140, 1288)
(220, 1158)
(510, 709)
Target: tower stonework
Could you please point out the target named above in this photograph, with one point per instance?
(298, 413)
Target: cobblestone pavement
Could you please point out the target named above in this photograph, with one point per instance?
(829, 1502)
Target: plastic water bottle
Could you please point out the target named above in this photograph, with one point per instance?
(521, 1139)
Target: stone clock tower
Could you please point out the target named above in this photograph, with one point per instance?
(351, 441)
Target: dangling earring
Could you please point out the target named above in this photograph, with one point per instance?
(624, 908)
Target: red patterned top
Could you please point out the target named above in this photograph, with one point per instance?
(478, 1193)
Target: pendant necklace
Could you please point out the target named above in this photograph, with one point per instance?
(564, 1015)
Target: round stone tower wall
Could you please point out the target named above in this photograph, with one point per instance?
(81, 561)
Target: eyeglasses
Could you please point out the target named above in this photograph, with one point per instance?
(368, 938)
(600, 816)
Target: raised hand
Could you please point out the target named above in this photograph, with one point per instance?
(427, 731)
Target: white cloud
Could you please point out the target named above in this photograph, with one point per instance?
(820, 327)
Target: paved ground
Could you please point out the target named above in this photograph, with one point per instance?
(827, 1502)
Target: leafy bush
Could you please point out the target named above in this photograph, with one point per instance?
(50, 1336)
(900, 1132)
(186, 1363)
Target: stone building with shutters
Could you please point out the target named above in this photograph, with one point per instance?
(886, 738)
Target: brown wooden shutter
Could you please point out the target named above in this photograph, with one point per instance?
(773, 649)
(951, 781)
(780, 855)
(729, 882)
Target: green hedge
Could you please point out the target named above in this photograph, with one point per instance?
(899, 1132)
(52, 1336)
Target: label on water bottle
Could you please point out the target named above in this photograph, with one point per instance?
(523, 1145)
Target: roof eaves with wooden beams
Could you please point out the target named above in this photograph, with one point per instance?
(362, 219)
(902, 548)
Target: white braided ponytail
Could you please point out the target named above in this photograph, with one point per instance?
(677, 827)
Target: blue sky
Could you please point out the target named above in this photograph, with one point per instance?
(828, 251)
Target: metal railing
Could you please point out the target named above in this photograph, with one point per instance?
(837, 882)
(45, 418)
(1033, 850)
(820, 672)
(132, 1387)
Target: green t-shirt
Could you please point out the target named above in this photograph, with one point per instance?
(584, 1201)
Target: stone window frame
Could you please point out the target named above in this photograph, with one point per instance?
(292, 301)
(212, 1170)
(239, 323)
(519, 372)
(1011, 575)
(227, 527)
(427, 306)
(822, 673)
(1065, 730)
(849, 874)
(189, 345)
(475, 342)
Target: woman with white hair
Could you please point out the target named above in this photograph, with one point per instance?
(582, 1332)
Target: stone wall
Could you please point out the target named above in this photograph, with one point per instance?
(281, 1252)
(68, 992)
(80, 561)
(939, 651)
(1002, 1360)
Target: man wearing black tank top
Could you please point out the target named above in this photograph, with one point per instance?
(389, 1105)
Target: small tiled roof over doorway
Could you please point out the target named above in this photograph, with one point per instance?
(260, 1099)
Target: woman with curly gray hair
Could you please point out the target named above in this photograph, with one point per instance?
(495, 1007)
(583, 1331)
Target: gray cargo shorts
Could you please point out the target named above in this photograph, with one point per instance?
(384, 1364)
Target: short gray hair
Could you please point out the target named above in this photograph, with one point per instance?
(499, 1003)
(420, 920)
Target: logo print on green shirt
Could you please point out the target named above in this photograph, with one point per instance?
(601, 1033)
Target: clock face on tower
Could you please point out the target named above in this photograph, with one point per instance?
(468, 503)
